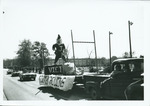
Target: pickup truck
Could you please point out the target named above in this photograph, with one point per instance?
(108, 87)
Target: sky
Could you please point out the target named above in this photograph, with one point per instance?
(43, 20)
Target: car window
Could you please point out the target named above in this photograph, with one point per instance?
(142, 66)
(121, 64)
(136, 66)
(131, 67)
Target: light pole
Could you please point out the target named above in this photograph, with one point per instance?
(130, 23)
(110, 46)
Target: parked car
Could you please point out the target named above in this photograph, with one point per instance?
(9, 71)
(135, 91)
(15, 73)
(27, 76)
(107, 86)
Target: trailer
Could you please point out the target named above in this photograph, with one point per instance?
(66, 75)
(57, 77)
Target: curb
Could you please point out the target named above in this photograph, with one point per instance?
(4, 97)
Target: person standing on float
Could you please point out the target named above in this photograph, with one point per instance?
(59, 48)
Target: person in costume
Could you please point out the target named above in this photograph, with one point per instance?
(59, 49)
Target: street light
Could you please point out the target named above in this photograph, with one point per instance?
(130, 23)
(110, 46)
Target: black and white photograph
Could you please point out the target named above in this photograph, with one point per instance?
(74, 52)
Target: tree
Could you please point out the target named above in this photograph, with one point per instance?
(24, 53)
(113, 58)
(40, 53)
(141, 56)
(126, 54)
(103, 61)
(67, 51)
(89, 58)
(7, 63)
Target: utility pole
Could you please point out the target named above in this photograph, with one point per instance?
(130, 23)
(95, 50)
(73, 50)
(110, 46)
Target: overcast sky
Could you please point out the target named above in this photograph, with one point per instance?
(43, 20)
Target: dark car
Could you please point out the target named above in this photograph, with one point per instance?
(15, 73)
(135, 91)
(107, 86)
(9, 71)
(27, 76)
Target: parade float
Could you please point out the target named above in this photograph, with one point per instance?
(64, 76)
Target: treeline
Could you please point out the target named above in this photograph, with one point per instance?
(36, 55)
(79, 62)
(29, 55)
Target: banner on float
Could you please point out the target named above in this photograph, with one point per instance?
(64, 83)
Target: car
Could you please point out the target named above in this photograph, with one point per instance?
(16, 70)
(106, 86)
(15, 73)
(135, 91)
(9, 71)
(27, 76)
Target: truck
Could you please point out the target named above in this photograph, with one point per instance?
(108, 87)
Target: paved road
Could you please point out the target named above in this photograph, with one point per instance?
(14, 89)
